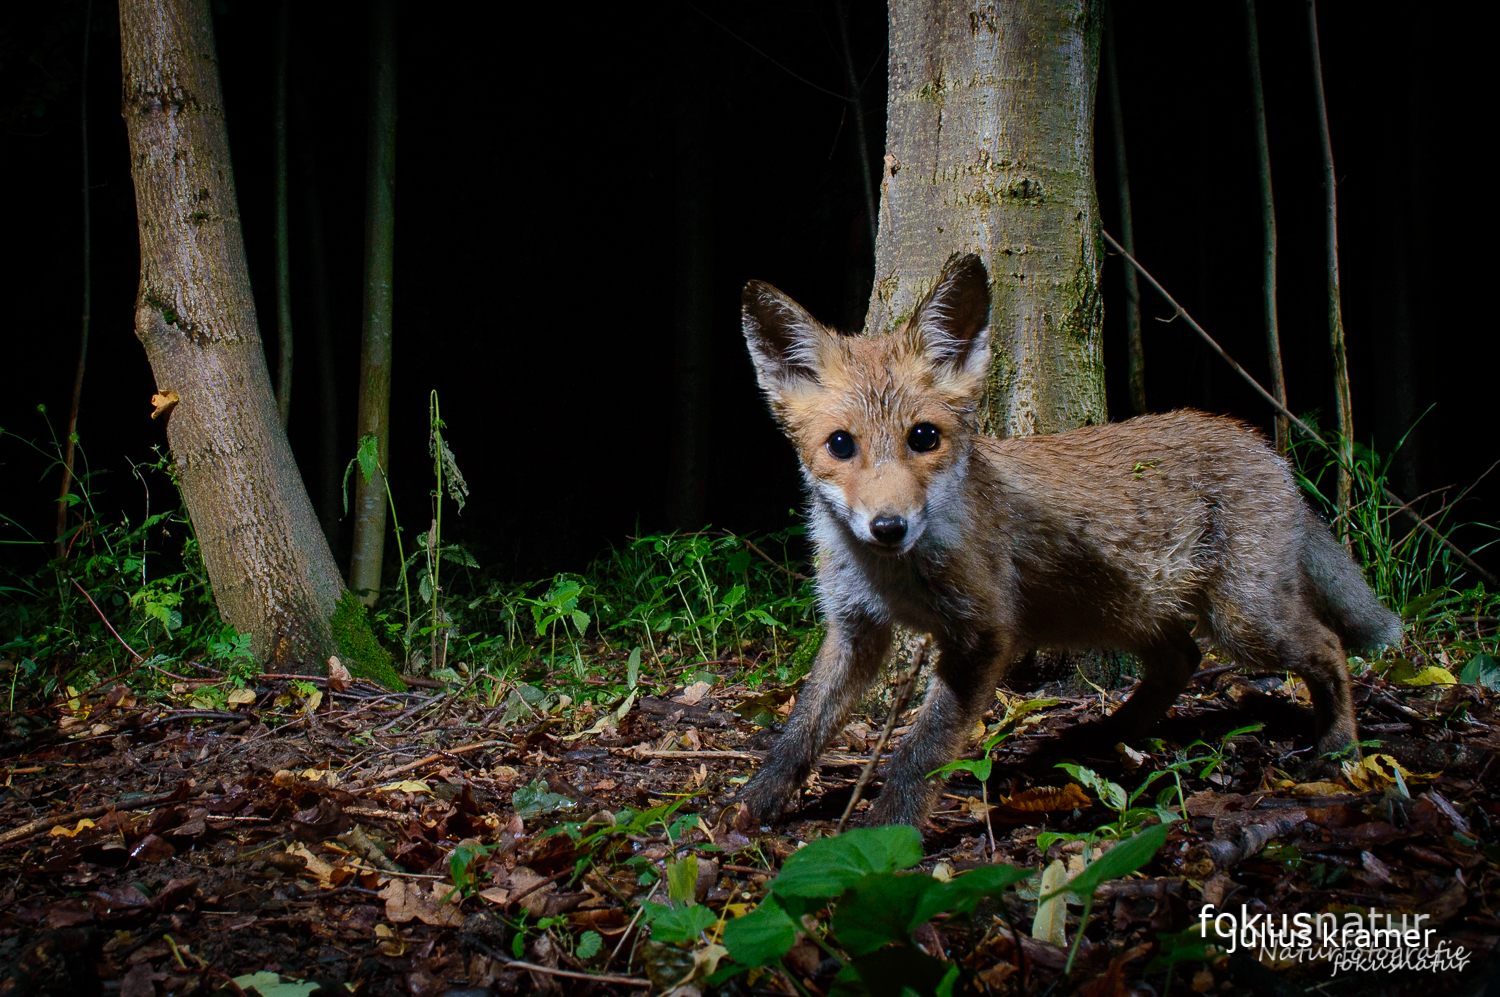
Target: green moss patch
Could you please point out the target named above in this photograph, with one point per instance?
(360, 651)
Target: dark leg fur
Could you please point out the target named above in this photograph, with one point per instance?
(847, 663)
(960, 691)
(1167, 666)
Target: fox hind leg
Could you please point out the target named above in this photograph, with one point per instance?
(1167, 666)
(847, 663)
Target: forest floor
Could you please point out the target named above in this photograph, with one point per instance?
(382, 844)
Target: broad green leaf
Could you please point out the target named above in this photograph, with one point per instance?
(581, 621)
(682, 880)
(980, 768)
(738, 562)
(590, 943)
(1123, 859)
(880, 909)
(897, 970)
(1482, 669)
(962, 893)
(678, 924)
(761, 937)
(829, 866)
(1111, 794)
(368, 456)
(1191, 945)
(270, 985)
(535, 800)
(633, 667)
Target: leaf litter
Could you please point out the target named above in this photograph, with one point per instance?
(294, 850)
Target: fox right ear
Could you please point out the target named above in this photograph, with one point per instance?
(783, 338)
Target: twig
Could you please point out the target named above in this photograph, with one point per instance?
(768, 558)
(1193, 324)
(537, 886)
(112, 630)
(415, 709)
(903, 695)
(626, 933)
(48, 823)
(747, 756)
(437, 757)
(629, 981)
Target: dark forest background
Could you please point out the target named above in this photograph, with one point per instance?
(547, 158)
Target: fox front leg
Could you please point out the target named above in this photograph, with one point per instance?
(846, 665)
(965, 681)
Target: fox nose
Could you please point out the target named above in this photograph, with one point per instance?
(888, 528)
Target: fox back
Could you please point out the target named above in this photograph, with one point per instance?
(1123, 536)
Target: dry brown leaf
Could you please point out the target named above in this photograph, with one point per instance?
(315, 867)
(406, 900)
(339, 678)
(1319, 789)
(163, 402)
(692, 694)
(61, 830)
(1044, 798)
(495, 894)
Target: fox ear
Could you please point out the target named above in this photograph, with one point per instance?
(783, 338)
(954, 320)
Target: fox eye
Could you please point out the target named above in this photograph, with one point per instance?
(841, 445)
(923, 437)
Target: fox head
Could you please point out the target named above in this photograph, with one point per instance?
(882, 423)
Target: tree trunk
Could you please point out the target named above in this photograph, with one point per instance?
(990, 149)
(283, 232)
(70, 440)
(1268, 228)
(1342, 403)
(272, 574)
(375, 344)
(1136, 349)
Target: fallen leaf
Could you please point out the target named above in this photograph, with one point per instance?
(1044, 798)
(137, 982)
(692, 694)
(1051, 921)
(405, 901)
(1319, 789)
(315, 867)
(495, 894)
(61, 831)
(152, 848)
(240, 697)
(339, 678)
(408, 786)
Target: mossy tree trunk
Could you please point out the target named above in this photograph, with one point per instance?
(272, 573)
(990, 149)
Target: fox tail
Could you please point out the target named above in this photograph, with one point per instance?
(1344, 601)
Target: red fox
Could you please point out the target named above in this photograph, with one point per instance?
(1119, 536)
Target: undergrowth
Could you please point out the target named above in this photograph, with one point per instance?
(130, 598)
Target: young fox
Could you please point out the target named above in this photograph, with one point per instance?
(1118, 536)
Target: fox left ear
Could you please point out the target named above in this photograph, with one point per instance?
(954, 320)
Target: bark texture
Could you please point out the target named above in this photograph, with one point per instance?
(1268, 228)
(990, 149)
(1135, 347)
(283, 227)
(1342, 402)
(380, 267)
(272, 573)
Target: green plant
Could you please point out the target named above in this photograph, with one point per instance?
(877, 905)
